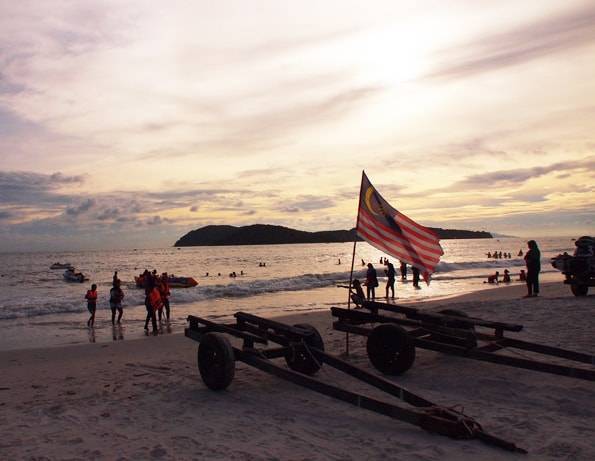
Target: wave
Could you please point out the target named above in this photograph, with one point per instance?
(446, 271)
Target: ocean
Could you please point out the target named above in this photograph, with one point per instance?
(38, 308)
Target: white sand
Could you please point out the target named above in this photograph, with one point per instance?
(143, 399)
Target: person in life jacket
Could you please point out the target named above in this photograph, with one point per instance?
(91, 298)
(152, 302)
(164, 291)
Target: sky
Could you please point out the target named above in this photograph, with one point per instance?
(128, 124)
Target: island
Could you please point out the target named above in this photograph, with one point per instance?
(267, 234)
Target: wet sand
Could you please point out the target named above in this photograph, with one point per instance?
(143, 399)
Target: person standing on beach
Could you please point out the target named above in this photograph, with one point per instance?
(91, 298)
(415, 272)
(150, 300)
(390, 279)
(164, 291)
(371, 281)
(403, 269)
(116, 295)
(533, 262)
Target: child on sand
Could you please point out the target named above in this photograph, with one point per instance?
(91, 298)
(506, 277)
(357, 293)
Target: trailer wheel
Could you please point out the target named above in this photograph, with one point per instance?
(216, 361)
(455, 323)
(390, 350)
(302, 361)
(579, 290)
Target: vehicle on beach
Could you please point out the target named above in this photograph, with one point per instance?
(173, 282)
(71, 276)
(578, 269)
(61, 266)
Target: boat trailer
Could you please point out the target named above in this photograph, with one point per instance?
(391, 344)
(302, 348)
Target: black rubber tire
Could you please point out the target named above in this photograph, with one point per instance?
(390, 349)
(216, 361)
(454, 323)
(303, 362)
(579, 290)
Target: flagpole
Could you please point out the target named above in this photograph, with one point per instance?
(353, 260)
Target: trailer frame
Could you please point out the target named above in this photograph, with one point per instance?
(303, 349)
(451, 332)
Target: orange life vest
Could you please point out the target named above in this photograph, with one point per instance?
(155, 299)
(91, 295)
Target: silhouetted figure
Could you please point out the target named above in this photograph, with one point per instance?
(415, 272)
(116, 295)
(533, 263)
(494, 278)
(357, 293)
(522, 276)
(371, 281)
(390, 279)
(403, 270)
(506, 277)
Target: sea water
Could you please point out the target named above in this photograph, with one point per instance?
(39, 308)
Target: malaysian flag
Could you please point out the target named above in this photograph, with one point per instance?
(395, 234)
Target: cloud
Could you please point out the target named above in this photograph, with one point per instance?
(20, 187)
(550, 35)
(512, 178)
(194, 209)
(306, 203)
(85, 206)
(108, 214)
(5, 215)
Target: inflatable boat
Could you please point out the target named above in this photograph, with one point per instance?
(71, 276)
(173, 282)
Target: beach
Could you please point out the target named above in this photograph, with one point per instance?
(144, 399)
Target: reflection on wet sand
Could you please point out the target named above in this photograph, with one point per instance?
(117, 332)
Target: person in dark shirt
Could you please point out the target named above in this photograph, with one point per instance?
(390, 279)
(415, 272)
(371, 282)
(116, 295)
(533, 263)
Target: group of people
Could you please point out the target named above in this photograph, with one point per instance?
(371, 282)
(157, 294)
(500, 255)
(156, 297)
(495, 278)
(531, 277)
(116, 296)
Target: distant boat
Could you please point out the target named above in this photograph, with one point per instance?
(61, 266)
(71, 276)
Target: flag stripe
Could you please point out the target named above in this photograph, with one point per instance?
(396, 240)
(428, 233)
(420, 246)
(389, 249)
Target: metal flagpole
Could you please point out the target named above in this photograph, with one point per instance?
(353, 260)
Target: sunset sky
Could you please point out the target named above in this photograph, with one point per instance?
(127, 124)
